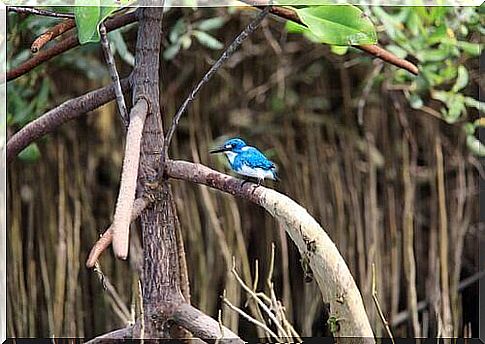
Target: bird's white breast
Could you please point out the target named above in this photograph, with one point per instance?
(255, 172)
(231, 156)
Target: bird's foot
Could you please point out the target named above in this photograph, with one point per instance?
(245, 181)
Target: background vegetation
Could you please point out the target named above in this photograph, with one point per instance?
(385, 161)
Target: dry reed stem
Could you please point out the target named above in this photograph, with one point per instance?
(378, 306)
(443, 244)
(126, 196)
(408, 240)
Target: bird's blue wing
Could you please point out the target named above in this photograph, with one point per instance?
(252, 157)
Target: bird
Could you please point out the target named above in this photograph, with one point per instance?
(247, 160)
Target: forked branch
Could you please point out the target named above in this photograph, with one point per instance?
(324, 260)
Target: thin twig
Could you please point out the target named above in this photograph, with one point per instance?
(65, 45)
(378, 306)
(258, 300)
(108, 55)
(365, 93)
(52, 33)
(248, 30)
(118, 306)
(39, 12)
(250, 318)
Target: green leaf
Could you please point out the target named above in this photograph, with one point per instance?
(207, 40)
(171, 51)
(415, 101)
(339, 49)
(470, 48)
(475, 146)
(31, 153)
(293, 27)
(90, 13)
(397, 50)
(338, 24)
(303, 2)
(87, 20)
(461, 80)
(210, 24)
(116, 38)
(178, 30)
(471, 102)
(433, 55)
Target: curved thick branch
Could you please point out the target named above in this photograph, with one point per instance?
(129, 176)
(64, 45)
(372, 49)
(316, 248)
(116, 335)
(52, 119)
(201, 325)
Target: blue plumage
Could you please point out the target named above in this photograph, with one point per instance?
(247, 160)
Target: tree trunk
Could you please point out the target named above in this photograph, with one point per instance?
(160, 286)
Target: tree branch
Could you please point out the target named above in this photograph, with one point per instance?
(52, 119)
(236, 43)
(52, 33)
(105, 240)
(110, 337)
(329, 269)
(327, 265)
(202, 325)
(129, 176)
(64, 45)
(374, 49)
(110, 61)
(39, 12)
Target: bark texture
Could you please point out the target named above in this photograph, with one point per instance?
(161, 290)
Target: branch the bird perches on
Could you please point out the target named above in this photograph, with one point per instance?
(327, 266)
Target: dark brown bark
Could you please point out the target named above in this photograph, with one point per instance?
(161, 290)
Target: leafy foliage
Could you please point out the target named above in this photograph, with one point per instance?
(335, 24)
(90, 14)
(438, 37)
(183, 32)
